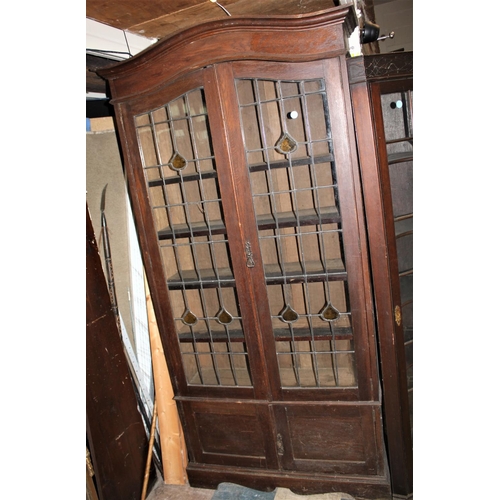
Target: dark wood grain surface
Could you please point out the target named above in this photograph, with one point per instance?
(115, 431)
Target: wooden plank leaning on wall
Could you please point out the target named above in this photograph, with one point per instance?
(173, 448)
(113, 423)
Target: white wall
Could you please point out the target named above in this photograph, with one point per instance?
(101, 37)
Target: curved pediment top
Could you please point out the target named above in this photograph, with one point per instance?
(280, 38)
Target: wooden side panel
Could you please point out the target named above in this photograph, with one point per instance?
(116, 434)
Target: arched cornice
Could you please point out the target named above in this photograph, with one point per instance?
(282, 39)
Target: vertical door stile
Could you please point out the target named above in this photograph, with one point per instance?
(353, 217)
(240, 222)
(386, 199)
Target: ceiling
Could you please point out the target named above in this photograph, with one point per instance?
(158, 19)
(161, 18)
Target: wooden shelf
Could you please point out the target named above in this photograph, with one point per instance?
(295, 162)
(403, 225)
(408, 333)
(204, 278)
(304, 334)
(257, 167)
(400, 157)
(401, 139)
(194, 229)
(280, 335)
(209, 174)
(306, 217)
(313, 271)
(293, 273)
(406, 272)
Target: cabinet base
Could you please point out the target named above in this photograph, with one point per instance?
(365, 487)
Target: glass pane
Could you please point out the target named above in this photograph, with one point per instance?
(180, 169)
(290, 158)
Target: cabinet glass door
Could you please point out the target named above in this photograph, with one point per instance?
(291, 163)
(398, 130)
(179, 165)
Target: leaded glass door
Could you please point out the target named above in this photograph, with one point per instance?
(308, 229)
(294, 189)
(182, 181)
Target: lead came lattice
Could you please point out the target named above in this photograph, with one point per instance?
(180, 169)
(300, 228)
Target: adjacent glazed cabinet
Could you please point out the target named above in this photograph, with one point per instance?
(382, 100)
(239, 147)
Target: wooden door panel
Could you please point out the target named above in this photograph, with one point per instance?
(225, 433)
(332, 439)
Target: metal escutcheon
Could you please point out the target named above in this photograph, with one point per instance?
(397, 315)
(249, 254)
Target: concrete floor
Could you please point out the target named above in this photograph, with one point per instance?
(161, 491)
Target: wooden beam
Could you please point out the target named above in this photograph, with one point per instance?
(96, 83)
